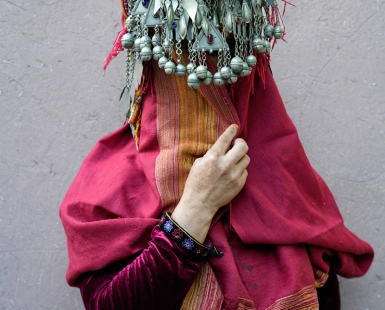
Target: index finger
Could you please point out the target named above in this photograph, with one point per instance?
(224, 141)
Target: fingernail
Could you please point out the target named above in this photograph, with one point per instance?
(236, 127)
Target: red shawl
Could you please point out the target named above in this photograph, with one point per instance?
(284, 223)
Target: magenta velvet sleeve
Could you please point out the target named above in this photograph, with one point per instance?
(157, 279)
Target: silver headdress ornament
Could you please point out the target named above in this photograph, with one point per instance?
(206, 25)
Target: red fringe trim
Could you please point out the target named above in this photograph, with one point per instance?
(117, 47)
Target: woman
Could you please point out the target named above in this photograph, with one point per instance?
(244, 231)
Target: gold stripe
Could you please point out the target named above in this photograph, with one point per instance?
(305, 299)
(320, 278)
(205, 293)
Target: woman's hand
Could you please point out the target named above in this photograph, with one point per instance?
(214, 180)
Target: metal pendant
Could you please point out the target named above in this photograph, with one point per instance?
(198, 19)
(167, 46)
(156, 40)
(225, 73)
(208, 79)
(246, 70)
(257, 44)
(269, 29)
(145, 41)
(201, 72)
(169, 67)
(182, 27)
(211, 42)
(193, 81)
(152, 17)
(251, 60)
(136, 47)
(278, 32)
(190, 68)
(128, 40)
(139, 8)
(146, 53)
(180, 70)
(233, 78)
(246, 12)
(170, 16)
(130, 23)
(157, 52)
(218, 80)
(229, 21)
(267, 47)
(236, 65)
(162, 62)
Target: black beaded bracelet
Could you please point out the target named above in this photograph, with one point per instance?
(184, 239)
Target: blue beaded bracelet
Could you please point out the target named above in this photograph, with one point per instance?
(184, 240)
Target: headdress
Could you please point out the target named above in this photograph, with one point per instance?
(253, 26)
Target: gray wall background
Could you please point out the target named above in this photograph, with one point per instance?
(55, 104)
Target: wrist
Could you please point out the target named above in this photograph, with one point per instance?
(195, 221)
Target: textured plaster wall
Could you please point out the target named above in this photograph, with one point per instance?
(55, 104)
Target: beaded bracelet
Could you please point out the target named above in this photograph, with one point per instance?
(185, 240)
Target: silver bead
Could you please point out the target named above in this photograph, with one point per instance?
(157, 52)
(136, 47)
(225, 73)
(162, 62)
(169, 67)
(180, 70)
(251, 60)
(190, 68)
(246, 70)
(269, 29)
(267, 47)
(130, 23)
(236, 65)
(201, 72)
(278, 32)
(193, 81)
(167, 46)
(258, 44)
(217, 79)
(146, 53)
(128, 40)
(156, 40)
(208, 79)
(233, 78)
(145, 41)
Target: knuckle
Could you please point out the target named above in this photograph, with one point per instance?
(225, 140)
(225, 167)
(212, 157)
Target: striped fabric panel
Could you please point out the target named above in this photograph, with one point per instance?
(187, 126)
(205, 293)
(245, 304)
(305, 299)
(320, 278)
(220, 101)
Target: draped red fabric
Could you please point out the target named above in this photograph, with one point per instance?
(282, 224)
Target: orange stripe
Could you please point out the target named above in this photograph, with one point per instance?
(188, 126)
(205, 293)
(305, 299)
